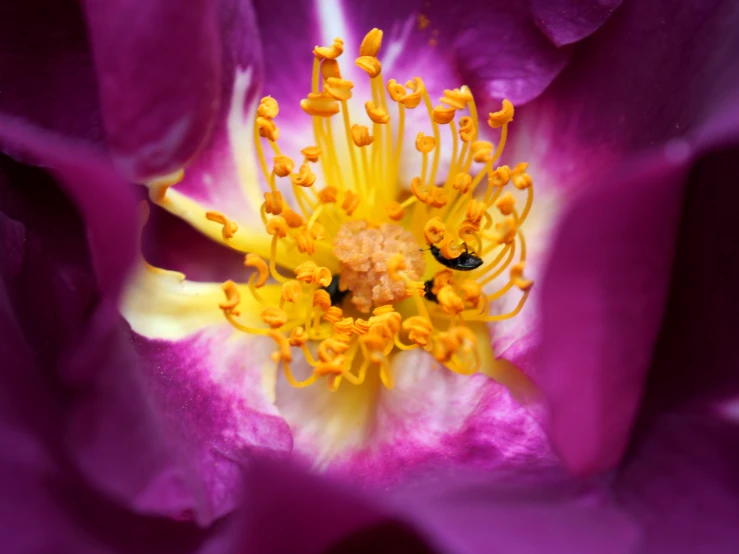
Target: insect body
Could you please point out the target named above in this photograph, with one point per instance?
(333, 290)
(428, 292)
(466, 261)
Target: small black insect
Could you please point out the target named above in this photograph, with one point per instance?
(428, 293)
(466, 261)
(333, 290)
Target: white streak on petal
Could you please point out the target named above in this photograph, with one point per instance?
(240, 124)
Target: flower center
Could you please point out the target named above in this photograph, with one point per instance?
(349, 243)
(364, 250)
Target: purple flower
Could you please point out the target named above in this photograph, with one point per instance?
(609, 140)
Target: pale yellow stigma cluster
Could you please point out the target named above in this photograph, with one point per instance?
(472, 234)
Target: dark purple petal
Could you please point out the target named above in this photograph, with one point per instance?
(603, 296)
(567, 21)
(48, 73)
(679, 476)
(159, 78)
(81, 452)
(462, 514)
(105, 202)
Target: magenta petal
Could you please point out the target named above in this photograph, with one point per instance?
(213, 429)
(567, 21)
(159, 77)
(601, 305)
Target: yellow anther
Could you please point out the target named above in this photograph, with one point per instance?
(330, 68)
(305, 242)
(330, 348)
(413, 99)
(274, 317)
(437, 197)
(395, 211)
(505, 203)
(304, 178)
(291, 291)
(395, 265)
(361, 136)
(502, 116)
(294, 220)
(425, 143)
(449, 301)
(371, 43)
(377, 115)
(415, 288)
(321, 299)
(448, 249)
(277, 226)
(252, 260)
(443, 114)
(341, 89)
(418, 191)
(331, 52)
(383, 310)
(441, 279)
(328, 194)
(268, 108)
(500, 177)
(521, 179)
(360, 326)
(333, 314)
(158, 186)
(311, 153)
(351, 202)
(268, 129)
(322, 276)
(233, 298)
(369, 65)
(273, 202)
(475, 211)
(466, 128)
(229, 227)
(399, 94)
(518, 279)
(298, 337)
(283, 165)
(283, 352)
(457, 98)
(462, 182)
(467, 231)
(481, 150)
(396, 90)
(434, 230)
(458, 338)
(318, 231)
(419, 329)
(320, 104)
(506, 231)
(304, 273)
(332, 367)
(471, 291)
(345, 326)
